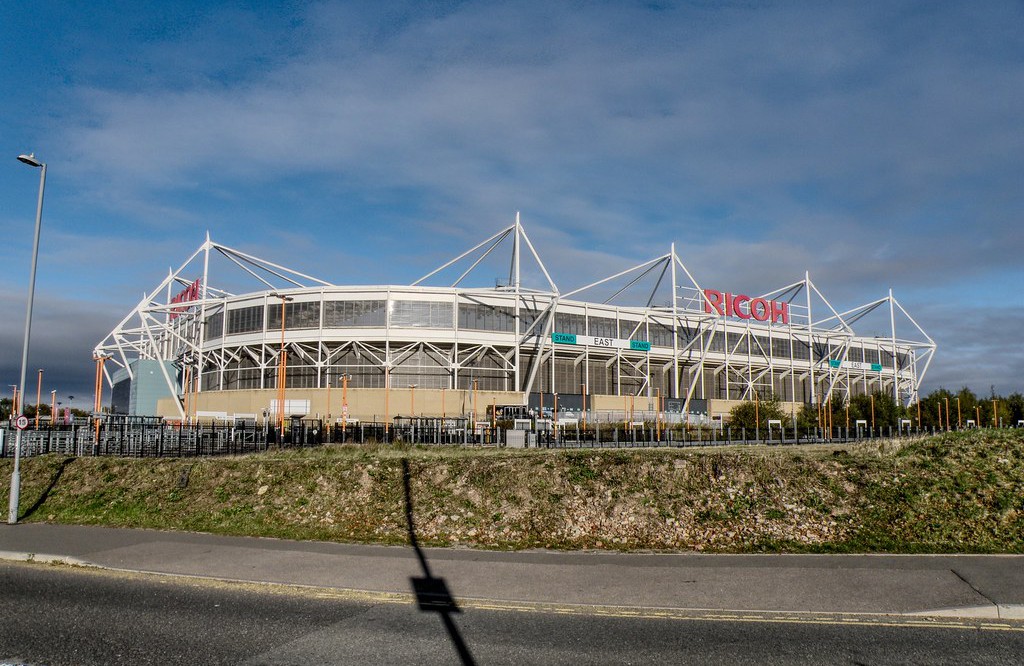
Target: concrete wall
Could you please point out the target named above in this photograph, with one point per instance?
(363, 404)
(375, 404)
(718, 407)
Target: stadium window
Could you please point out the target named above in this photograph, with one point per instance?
(354, 314)
(632, 329)
(602, 327)
(245, 320)
(215, 325)
(481, 317)
(302, 315)
(566, 322)
(660, 334)
(421, 314)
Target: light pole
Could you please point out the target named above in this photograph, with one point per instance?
(583, 410)
(657, 413)
(39, 395)
(474, 407)
(412, 410)
(281, 370)
(53, 408)
(387, 401)
(554, 419)
(344, 404)
(12, 509)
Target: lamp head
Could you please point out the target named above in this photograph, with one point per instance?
(30, 160)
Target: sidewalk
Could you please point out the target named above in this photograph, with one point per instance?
(987, 586)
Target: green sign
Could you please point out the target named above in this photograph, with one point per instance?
(835, 363)
(876, 367)
(639, 345)
(564, 338)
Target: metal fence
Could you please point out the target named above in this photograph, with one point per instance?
(158, 439)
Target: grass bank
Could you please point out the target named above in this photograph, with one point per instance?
(959, 492)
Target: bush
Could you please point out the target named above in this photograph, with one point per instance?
(750, 415)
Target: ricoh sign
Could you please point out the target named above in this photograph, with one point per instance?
(190, 293)
(745, 307)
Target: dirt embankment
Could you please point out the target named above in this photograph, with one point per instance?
(953, 493)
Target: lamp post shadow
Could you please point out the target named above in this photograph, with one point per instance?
(432, 593)
(49, 488)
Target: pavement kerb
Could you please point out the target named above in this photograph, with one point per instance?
(1011, 611)
(984, 612)
(45, 558)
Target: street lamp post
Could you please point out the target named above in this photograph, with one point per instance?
(583, 410)
(554, 419)
(12, 509)
(412, 410)
(281, 370)
(474, 409)
(39, 395)
(657, 412)
(344, 404)
(387, 401)
(53, 408)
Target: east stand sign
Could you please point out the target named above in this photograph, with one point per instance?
(855, 365)
(592, 341)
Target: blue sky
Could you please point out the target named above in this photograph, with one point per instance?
(875, 145)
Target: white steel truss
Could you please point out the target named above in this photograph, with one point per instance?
(687, 349)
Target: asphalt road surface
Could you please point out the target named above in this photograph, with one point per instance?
(52, 615)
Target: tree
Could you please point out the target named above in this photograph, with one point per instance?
(807, 417)
(888, 412)
(933, 408)
(1015, 407)
(750, 415)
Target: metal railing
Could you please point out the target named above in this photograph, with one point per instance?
(159, 439)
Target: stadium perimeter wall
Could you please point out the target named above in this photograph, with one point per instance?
(380, 404)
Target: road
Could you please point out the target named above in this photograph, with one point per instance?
(52, 615)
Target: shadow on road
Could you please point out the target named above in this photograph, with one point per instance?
(46, 492)
(432, 593)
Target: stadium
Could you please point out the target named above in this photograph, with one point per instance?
(647, 340)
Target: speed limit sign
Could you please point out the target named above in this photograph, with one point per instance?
(22, 422)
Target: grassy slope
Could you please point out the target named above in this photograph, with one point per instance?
(953, 493)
